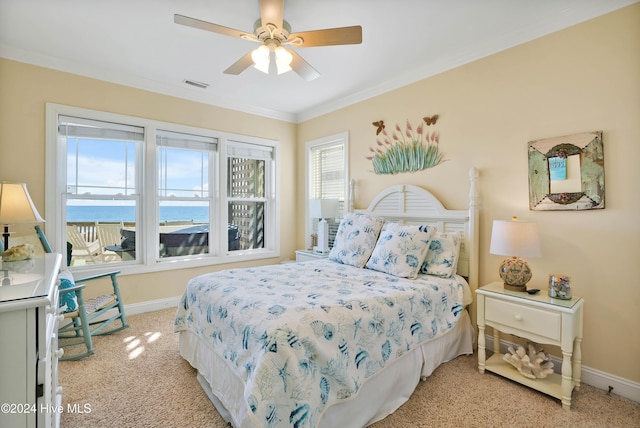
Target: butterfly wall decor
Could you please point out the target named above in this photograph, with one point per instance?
(430, 120)
(380, 125)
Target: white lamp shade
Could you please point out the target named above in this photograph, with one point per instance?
(16, 205)
(323, 208)
(515, 238)
(283, 60)
(260, 57)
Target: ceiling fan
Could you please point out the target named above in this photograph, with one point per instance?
(274, 33)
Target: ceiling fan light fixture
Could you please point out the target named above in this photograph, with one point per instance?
(260, 58)
(283, 59)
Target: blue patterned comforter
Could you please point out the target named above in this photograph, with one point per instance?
(306, 335)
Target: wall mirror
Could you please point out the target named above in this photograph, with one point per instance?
(567, 173)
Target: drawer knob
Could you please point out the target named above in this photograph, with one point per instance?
(59, 353)
(518, 317)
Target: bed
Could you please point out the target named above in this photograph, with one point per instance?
(338, 341)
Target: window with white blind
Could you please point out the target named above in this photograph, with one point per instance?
(186, 163)
(149, 195)
(102, 190)
(327, 178)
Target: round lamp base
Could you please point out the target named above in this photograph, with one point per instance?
(515, 273)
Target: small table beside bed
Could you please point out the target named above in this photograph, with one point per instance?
(341, 341)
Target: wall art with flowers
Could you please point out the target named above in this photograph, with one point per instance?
(406, 151)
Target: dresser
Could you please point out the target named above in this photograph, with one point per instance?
(542, 320)
(29, 391)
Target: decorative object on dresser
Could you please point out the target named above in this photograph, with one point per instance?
(30, 353)
(323, 209)
(515, 238)
(18, 252)
(16, 206)
(567, 173)
(560, 287)
(541, 320)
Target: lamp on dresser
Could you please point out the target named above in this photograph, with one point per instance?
(323, 209)
(515, 238)
(16, 206)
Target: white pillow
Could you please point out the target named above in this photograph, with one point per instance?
(355, 239)
(442, 257)
(401, 249)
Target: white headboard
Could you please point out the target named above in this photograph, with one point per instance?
(409, 204)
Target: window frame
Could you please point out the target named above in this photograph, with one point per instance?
(327, 141)
(147, 213)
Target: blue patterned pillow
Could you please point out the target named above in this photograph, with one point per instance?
(355, 239)
(68, 301)
(401, 249)
(442, 257)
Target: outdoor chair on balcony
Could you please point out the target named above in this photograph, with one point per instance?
(109, 235)
(86, 317)
(89, 252)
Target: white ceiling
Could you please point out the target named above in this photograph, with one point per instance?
(136, 43)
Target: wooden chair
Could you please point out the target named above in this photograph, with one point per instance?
(91, 316)
(83, 250)
(109, 234)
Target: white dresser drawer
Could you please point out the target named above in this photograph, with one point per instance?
(526, 318)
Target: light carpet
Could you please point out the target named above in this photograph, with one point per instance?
(137, 378)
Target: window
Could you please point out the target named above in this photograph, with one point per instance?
(185, 165)
(102, 181)
(149, 195)
(248, 171)
(327, 166)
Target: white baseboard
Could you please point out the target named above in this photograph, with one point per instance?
(596, 378)
(152, 305)
(140, 308)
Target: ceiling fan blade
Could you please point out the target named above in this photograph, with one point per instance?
(272, 12)
(329, 37)
(240, 65)
(302, 67)
(208, 26)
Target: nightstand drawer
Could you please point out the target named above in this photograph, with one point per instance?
(525, 318)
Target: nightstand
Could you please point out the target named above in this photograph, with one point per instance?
(306, 255)
(542, 320)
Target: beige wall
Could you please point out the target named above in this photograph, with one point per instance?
(581, 79)
(584, 78)
(24, 90)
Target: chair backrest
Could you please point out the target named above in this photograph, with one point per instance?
(109, 233)
(81, 248)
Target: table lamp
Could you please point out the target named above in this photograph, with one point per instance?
(515, 238)
(16, 206)
(323, 209)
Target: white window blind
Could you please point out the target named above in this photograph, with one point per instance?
(249, 151)
(185, 141)
(327, 172)
(76, 127)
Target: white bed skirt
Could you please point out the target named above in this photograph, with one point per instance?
(378, 397)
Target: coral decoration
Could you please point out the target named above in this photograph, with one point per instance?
(534, 365)
(407, 151)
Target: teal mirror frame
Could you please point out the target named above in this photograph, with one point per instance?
(588, 145)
